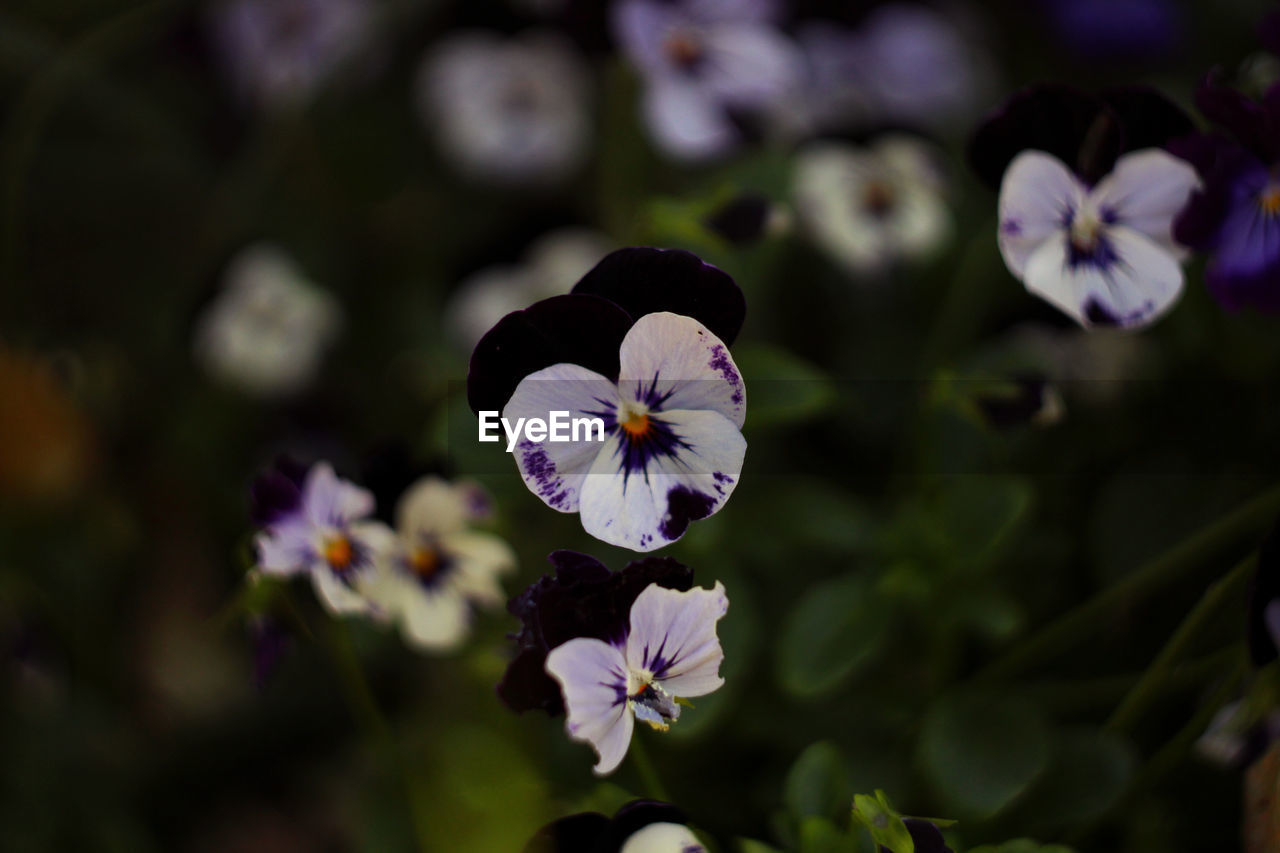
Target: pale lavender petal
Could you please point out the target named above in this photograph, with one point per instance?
(593, 680)
(669, 361)
(750, 66)
(733, 11)
(330, 501)
(554, 470)
(642, 28)
(285, 549)
(1145, 191)
(673, 638)
(1038, 197)
(686, 120)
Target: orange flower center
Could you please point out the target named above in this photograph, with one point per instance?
(1269, 200)
(636, 425)
(338, 553)
(683, 49)
(425, 562)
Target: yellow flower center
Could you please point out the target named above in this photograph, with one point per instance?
(636, 425)
(338, 553)
(1084, 232)
(425, 562)
(1269, 200)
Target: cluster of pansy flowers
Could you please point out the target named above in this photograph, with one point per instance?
(424, 575)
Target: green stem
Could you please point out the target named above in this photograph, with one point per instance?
(364, 707)
(644, 769)
(1082, 621)
(1147, 689)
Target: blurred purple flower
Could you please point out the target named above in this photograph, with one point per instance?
(509, 110)
(279, 53)
(1235, 217)
(1116, 28)
(705, 62)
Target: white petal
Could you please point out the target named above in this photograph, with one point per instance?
(1132, 291)
(920, 222)
(673, 637)
(431, 507)
(593, 680)
(663, 838)
(750, 65)
(1146, 191)
(435, 620)
(484, 299)
(644, 510)
(336, 596)
(331, 501)
(686, 121)
(828, 182)
(554, 470)
(1037, 196)
(691, 366)
(478, 559)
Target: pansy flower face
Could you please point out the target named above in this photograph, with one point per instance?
(1235, 217)
(870, 206)
(437, 566)
(1105, 254)
(701, 61)
(672, 447)
(669, 652)
(507, 110)
(266, 333)
(328, 536)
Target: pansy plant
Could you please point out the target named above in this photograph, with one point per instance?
(641, 345)
(668, 652)
(317, 524)
(1088, 198)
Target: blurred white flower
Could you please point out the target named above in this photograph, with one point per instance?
(437, 567)
(267, 331)
(279, 53)
(507, 109)
(701, 61)
(551, 266)
(868, 207)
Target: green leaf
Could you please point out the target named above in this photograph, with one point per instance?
(747, 845)
(781, 388)
(820, 835)
(982, 751)
(837, 628)
(1089, 772)
(883, 822)
(818, 782)
(980, 514)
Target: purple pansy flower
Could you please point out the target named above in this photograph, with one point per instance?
(640, 826)
(281, 52)
(669, 652)
(1235, 217)
(1117, 28)
(326, 534)
(1088, 199)
(703, 61)
(672, 446)
(642, 345)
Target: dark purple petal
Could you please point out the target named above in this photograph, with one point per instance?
(574, 329)
(742, 220)
(277, 493)
(1264, 589)
(644, 281)
(1052, 118)
(1147, 118)
(1269, 32)
(582, 599)
(577, 833)
(1232, 110)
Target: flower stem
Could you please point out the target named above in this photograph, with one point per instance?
(1082, 621)
(644, 769)
(1148, 687)
(364, 707)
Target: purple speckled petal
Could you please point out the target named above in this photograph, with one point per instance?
(673, 638)
(1037, 197)
(644, 509)
(669, 361)
(593, 679)
(554, 470)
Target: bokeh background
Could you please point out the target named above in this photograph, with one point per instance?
(892, 538)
